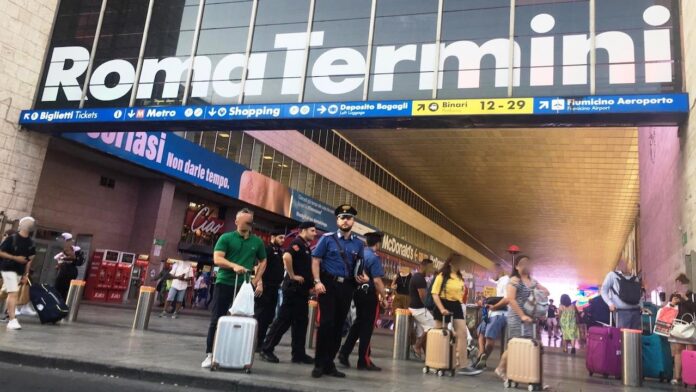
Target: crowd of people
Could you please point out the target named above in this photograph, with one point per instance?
(341, 270)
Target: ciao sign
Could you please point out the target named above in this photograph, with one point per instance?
(202, 225)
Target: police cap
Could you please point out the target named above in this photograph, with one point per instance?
(346, 209)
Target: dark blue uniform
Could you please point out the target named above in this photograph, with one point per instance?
(265, 305)
(294, 311)
(337, 277)
(367, 310)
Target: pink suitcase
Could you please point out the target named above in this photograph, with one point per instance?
(688, 367)
(604, 351)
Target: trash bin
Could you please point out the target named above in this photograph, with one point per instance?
(632, 357)
(145, 301)
(402, 334)
(77, 287)
(311, 324)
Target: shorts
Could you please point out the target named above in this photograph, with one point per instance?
(424, 320)
(176, 295)
(10, 281)
(454, 307)
(494, 328)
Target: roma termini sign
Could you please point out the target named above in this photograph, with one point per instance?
(553, 52)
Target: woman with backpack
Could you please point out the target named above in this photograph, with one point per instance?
(520, 288)
(448, 292)
(569, 324)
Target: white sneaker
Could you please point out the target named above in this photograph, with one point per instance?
(207, 362)
(13, 325)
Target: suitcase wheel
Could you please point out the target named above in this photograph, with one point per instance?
(591, 374)
(247, 371)
(451, 373)
(214, 367)
(440, 373)
(507, 384)
(426, 370)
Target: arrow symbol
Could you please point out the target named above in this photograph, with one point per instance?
(131, 114)
(421, 107)
(544, 105)
(322, 109)
(211, 111)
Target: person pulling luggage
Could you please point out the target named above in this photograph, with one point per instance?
(235, 253)
(519, 324)
(367, 301)
(622, 292)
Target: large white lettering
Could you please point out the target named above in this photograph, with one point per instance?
(339, 71)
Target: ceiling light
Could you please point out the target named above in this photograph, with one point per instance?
(224, 135)
(267, 157)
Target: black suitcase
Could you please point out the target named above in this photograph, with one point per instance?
(48, 303)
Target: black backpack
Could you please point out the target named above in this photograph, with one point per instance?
(629, 289)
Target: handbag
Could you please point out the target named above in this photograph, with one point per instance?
(537, 305)
(23, 294)
(683, 330)
(665, 320)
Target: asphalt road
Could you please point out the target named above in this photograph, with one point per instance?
(15, 378)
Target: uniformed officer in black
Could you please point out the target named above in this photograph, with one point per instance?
(265, 305)
(333, 267)
(366, 306)
(294, 311)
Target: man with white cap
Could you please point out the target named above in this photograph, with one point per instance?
(67, 262)
(16, 253)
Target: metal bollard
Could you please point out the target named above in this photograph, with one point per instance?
(402, 334)
(77, 287)
(142, 313)
(632, 357)
(311, 324)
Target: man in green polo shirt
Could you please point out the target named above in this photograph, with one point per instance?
(235, 253)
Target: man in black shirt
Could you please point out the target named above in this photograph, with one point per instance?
(265, 305)
(423, 318)
(16, 253)
(294, 310)
(552, 321)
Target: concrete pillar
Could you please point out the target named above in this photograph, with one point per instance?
(152, 220)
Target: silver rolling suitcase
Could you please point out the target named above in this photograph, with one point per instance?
(235, 343)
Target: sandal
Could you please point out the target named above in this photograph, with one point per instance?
(500, 373)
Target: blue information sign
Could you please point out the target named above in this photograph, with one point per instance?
(169, 154)
(613, 104)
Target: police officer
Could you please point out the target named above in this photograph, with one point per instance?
(265, 305)
(366, 306)
(294, 310)
(333, 263)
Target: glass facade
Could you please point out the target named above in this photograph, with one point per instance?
(259, 51)
(244, 149)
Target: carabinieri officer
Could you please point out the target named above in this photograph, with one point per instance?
(334, 262)
(366, 306)
(294, 311)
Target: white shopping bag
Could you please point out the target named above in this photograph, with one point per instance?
(243, 304)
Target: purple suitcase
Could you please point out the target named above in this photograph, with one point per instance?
(604, 351)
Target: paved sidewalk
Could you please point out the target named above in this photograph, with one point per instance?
(171, 351)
